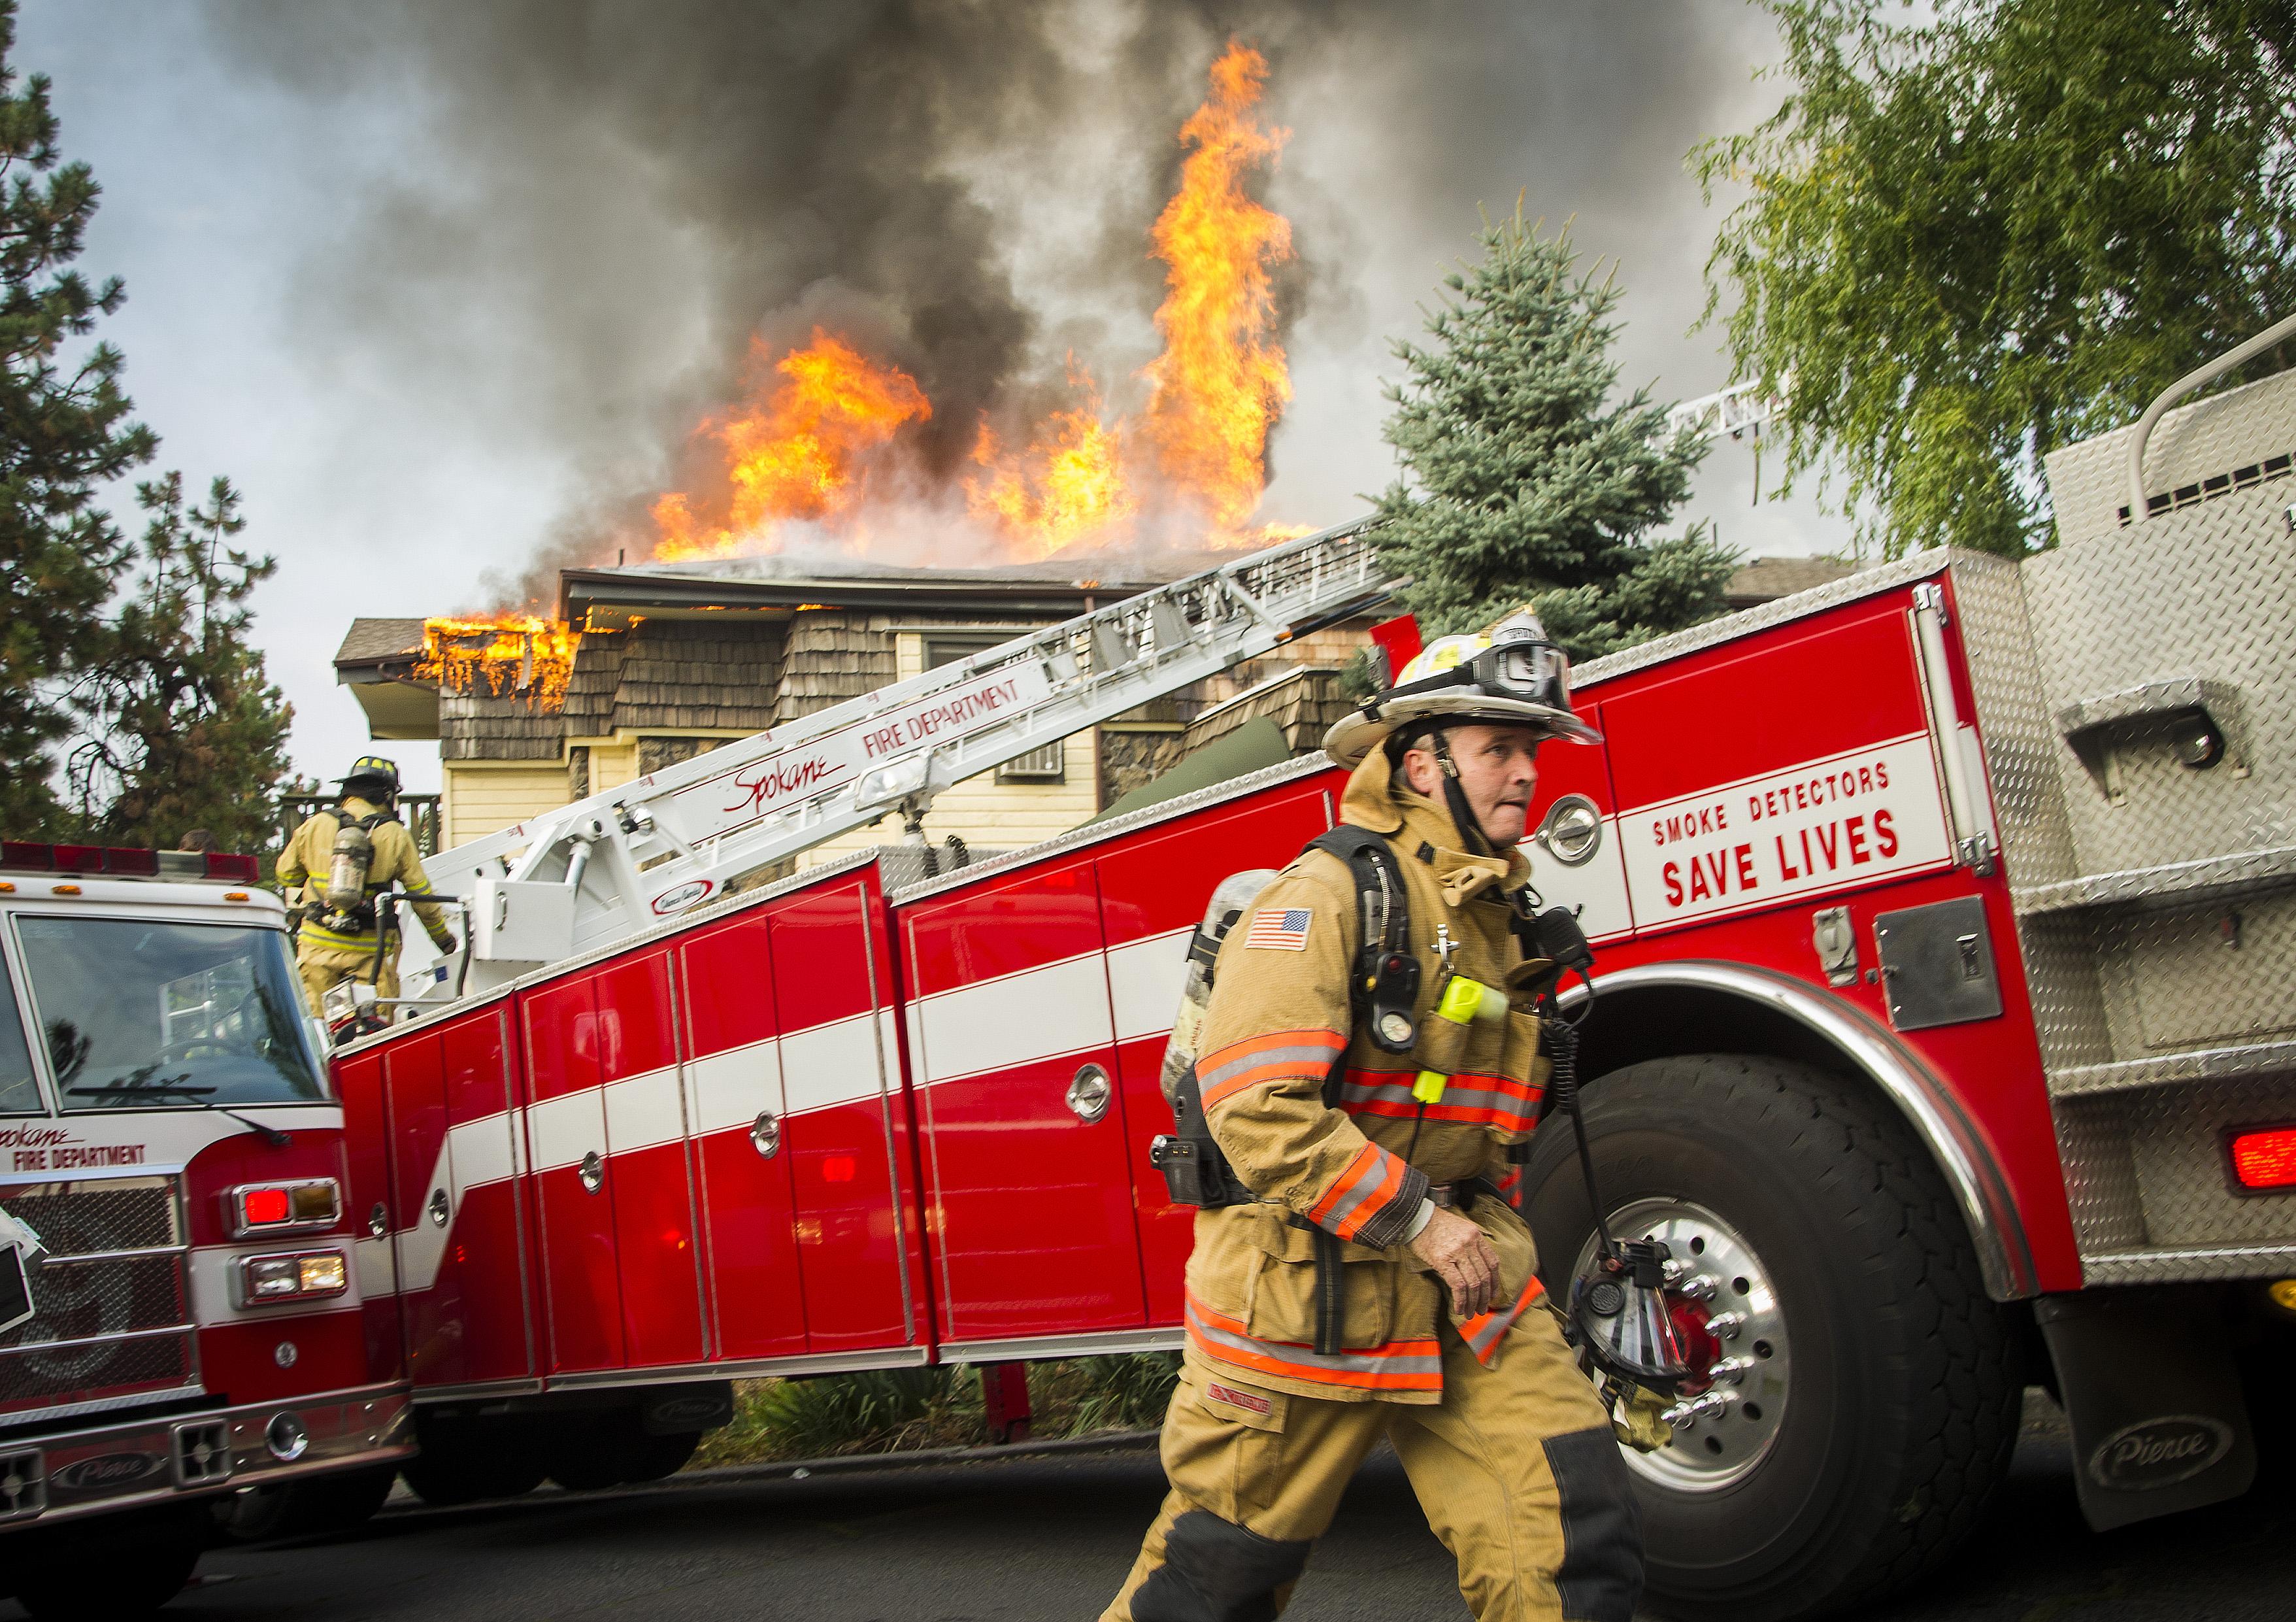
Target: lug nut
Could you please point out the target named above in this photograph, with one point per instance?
(1724, 1326)
(1682, 1416)
(1696, 1288)
(1732, 1369)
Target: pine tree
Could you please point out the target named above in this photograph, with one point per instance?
(180, 725)
(1525, 484)
(64, 431)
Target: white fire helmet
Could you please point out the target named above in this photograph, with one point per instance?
(1512, 675)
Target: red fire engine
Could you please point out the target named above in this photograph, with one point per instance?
(182, 1327)
(1942, 1025)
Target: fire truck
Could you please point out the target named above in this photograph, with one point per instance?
(182, 1323)
(1942, 1025)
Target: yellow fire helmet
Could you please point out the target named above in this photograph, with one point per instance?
(1512, 675)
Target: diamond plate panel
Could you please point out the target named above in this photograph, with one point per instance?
(2243, 427)
(2218, 973)
(2176, 1138)
(2100, 1175)
(2014, 719)
(2203, 593)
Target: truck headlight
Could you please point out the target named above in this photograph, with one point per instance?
(301, 1276)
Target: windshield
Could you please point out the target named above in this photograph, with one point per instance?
(138, 1014)
(20, 1094)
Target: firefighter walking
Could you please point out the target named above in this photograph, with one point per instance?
(1371, 1278)
(335, 866)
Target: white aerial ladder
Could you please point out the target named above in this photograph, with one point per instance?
(620, 862)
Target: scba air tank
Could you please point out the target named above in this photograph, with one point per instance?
(347, 869)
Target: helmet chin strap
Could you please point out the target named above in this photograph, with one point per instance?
(1479, 844)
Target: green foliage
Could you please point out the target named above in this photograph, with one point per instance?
(1525, 483)
(1972, 240)
(63, 431)
(908, 1410)
(181, 727)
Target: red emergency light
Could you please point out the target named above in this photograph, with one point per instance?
(123, 862)
(267, 1208)
(2266, 1160)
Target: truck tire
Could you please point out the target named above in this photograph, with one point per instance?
(315, 1507)
(465, 1459)
(118, 1566)
(1879, 1402)
(612, 1448)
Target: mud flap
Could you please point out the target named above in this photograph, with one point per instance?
(2157, 1419)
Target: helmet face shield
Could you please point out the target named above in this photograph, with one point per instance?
(1535, 672)
(1513, 677)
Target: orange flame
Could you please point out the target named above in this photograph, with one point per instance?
(1221, 382)
(1069, 485)
(805, 449)
(801, 452)
(509, 655)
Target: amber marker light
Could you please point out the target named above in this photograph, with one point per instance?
(2282, 1292)
(2263, 1161)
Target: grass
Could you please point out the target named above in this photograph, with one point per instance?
(909, 1410)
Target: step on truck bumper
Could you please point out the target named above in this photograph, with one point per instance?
(137, 1463)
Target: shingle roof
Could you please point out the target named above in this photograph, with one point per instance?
(1764, 580)
(369, 641)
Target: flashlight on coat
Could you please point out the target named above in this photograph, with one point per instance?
(1463, 1001)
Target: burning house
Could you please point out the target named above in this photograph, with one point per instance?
(650, 664)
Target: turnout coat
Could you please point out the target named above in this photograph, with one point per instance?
(1277, 1020)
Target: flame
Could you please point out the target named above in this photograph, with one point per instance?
(507, 654)
(1068, 486)
(820, 419)
(801, 452)
(1221, 382)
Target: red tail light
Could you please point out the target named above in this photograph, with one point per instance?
(2266, 1159)
(232, 870)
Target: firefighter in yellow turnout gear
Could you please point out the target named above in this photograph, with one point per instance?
(1445, 1345)
(335, 942)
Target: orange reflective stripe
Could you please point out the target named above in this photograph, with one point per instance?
(1485, 1331)
(1495, 1101)
(1399, 1365)
(1280, 1055)
(1360, 1192)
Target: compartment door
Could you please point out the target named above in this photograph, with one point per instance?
(370, 1202)
(414, 1093)
(839, 1072)
(736, 1117)
(1032, 1199)
(573, 1190)
(1152, 896)
(482, 1276)
(645, 1142)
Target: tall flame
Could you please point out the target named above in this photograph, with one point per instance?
(1221, 382)
(822, 419)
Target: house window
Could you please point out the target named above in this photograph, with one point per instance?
(1047, 763)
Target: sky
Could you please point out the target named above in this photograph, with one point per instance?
(436, 285)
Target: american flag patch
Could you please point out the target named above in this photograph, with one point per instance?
(1281, 930)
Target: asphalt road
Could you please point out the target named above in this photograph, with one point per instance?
(1024, 1538)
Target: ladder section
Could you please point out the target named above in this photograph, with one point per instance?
(621, 861)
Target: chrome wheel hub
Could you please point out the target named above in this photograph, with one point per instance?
(1726, 1417)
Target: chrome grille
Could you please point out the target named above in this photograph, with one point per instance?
(111, 1304)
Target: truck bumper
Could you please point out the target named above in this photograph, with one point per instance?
(139, 1462)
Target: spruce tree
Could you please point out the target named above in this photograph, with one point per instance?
(1525, 482)
(181, 727)
(64, 431)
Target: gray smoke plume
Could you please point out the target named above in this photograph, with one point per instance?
(615, 196)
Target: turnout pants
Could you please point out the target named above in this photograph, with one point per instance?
(321, 967)
(1517, 1470)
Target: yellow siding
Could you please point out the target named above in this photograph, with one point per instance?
(987, 814)
(482, 798)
